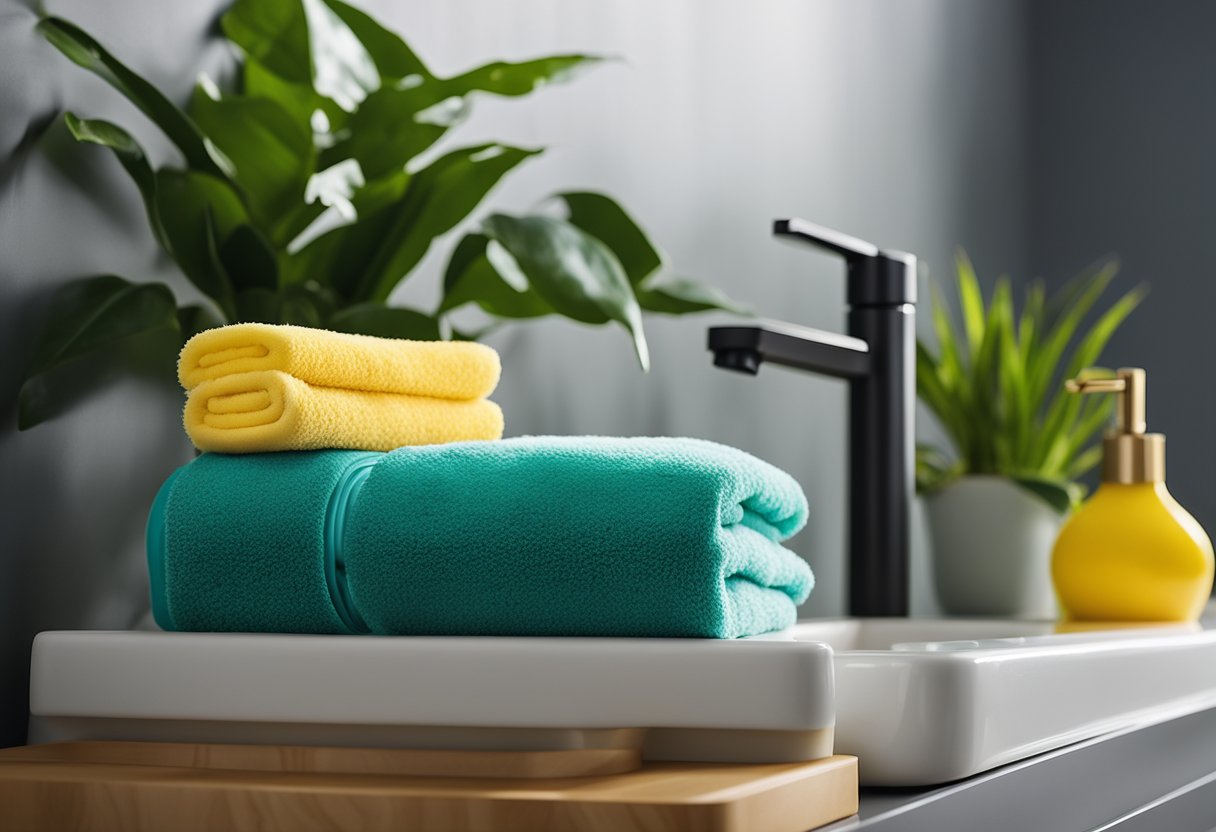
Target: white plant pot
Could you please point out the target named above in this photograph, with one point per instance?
(992, 544)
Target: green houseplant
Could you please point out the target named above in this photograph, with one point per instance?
(1020, 442)
(309, 193)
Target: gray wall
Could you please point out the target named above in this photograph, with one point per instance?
(1123, 159)
(901, 123)
(73, 492)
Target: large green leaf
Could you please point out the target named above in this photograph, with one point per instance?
(304, 42)
(87, 316)
(299, 311)
(339, 238)
(384, 250)
(603, 218)
(681, 296)
(397, 123)
(83, 50)
(481, 271)
(392, 56)
(195, 318)
(248, 259)
(342, 68)
(290, 305)
(573, 271)
(129, 154)
(257, 306)
(386, 322)
(272, 154)
(275, 34)
(308, 303)
(300, 100)
(514, 79)
(384, 133)
(198, 212)
(333, 198)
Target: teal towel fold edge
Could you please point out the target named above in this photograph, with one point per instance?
(155, 543)
(250, 543)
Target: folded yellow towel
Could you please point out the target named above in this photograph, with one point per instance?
(262, 387)
(270, 410)
(437, 369)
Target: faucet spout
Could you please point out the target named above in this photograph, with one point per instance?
(745, 348)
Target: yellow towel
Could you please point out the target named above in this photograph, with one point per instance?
(271, 411)
(437, 369)
(261, 387)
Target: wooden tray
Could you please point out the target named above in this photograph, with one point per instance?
(186, 787)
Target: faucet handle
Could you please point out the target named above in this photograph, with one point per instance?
(875, 277)
(848, 247)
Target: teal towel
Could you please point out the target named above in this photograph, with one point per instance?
(556, 536)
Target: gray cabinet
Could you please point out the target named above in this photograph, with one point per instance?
(1159, 777)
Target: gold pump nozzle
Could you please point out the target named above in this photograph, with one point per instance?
(1129, 454)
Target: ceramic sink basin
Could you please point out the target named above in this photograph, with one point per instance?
(929, 701)
(918, 701)
(682, 699)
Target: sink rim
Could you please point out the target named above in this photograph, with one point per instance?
(918, 718)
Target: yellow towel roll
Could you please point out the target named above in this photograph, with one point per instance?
(435, 369)
(270, 410)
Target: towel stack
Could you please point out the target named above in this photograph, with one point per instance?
(320, 532)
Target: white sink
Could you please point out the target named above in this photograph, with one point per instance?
(918, 701)
(929, 701)
(683, 699)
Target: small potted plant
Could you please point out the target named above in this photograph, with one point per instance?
(1019, 443)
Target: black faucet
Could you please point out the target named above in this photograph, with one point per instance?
(878, 359)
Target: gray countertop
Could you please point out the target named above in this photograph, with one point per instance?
(1156, 776)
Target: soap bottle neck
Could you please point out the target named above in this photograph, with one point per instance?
(1131, 458)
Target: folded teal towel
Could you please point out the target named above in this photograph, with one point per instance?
(556, 536)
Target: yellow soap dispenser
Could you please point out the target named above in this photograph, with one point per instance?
(1131, 553)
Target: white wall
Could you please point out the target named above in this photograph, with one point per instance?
(897, 122)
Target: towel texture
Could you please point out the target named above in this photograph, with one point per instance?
(534, 536)
(272, 411)
(257, 387)
(435, 369)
